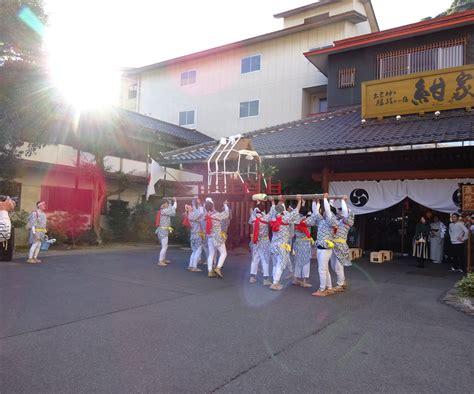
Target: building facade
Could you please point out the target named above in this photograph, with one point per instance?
(399, 134)
(60, 172)
(249, 84)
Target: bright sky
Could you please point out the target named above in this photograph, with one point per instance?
(140, 32)
(90, 40)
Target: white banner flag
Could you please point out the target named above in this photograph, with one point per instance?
(156, 173)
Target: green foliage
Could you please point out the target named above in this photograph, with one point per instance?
(142, 222)
(460, 6)
(180, 233)
(466, 285)
(118, 215)
(24, 106)
(88, 237)
(19, 219)
(20, 36)
(456, 6)
(269, 170)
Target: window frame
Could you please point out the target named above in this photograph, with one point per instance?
(385, 68)
(346, 77)
(188, 124)
(249, 116)
(133, 90)
(319, 104)
(187, 72)
(250, 57)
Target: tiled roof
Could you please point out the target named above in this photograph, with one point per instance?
(191, 136)
(341, 131)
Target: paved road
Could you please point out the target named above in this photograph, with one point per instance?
(115, 322)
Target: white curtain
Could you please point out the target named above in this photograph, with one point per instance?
(372, 196)
(437, 194)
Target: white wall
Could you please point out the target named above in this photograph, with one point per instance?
(220, 87)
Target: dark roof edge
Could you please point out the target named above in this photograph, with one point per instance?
(167, 123)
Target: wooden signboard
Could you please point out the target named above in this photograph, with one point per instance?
(467, 205)
(430, 91)
(467, 197)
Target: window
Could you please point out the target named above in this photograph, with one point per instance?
(186, 118)
(346, 77)
(250, 64)
(188, 77)
(132, 91)
(323, 105)
(425, 58)
(249, 108)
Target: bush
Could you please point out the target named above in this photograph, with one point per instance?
(118, 215)
(88, 237)
(19, 219)
(67, 226)
(142, 222)
(466, 285)
(180, 233)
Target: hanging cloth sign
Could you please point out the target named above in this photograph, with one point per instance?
(438, 194)
(371, 196)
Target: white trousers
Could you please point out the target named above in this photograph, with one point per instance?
(338, 268)
(302, 271)
(34, 250)
(257, 257)
(277, 270)
(323, 256)
(195, 257)
(164, 248)
(212, 252)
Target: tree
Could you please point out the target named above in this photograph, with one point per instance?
(24, 97)
(456, 6)
(460, 6)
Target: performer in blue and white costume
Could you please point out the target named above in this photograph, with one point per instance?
(260, 243)
(215, 237)
(340, 257)
(163, 227)
(195, 216)
(280, 247)
(37, 224)
(302, 247)
(324, 245)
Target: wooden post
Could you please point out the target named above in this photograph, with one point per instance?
(325, 180)
(469, 251)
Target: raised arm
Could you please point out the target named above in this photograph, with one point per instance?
(345, 210)
(327, 207)
(224, 214)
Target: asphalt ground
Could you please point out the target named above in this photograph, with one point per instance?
(115, 322)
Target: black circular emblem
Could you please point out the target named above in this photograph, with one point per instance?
(457, 197)
(359, 197)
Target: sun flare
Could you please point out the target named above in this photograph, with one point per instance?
(81, 66)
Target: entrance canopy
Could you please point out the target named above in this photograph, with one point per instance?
(371, 196)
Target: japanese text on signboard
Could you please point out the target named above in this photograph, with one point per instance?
(441, 89)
